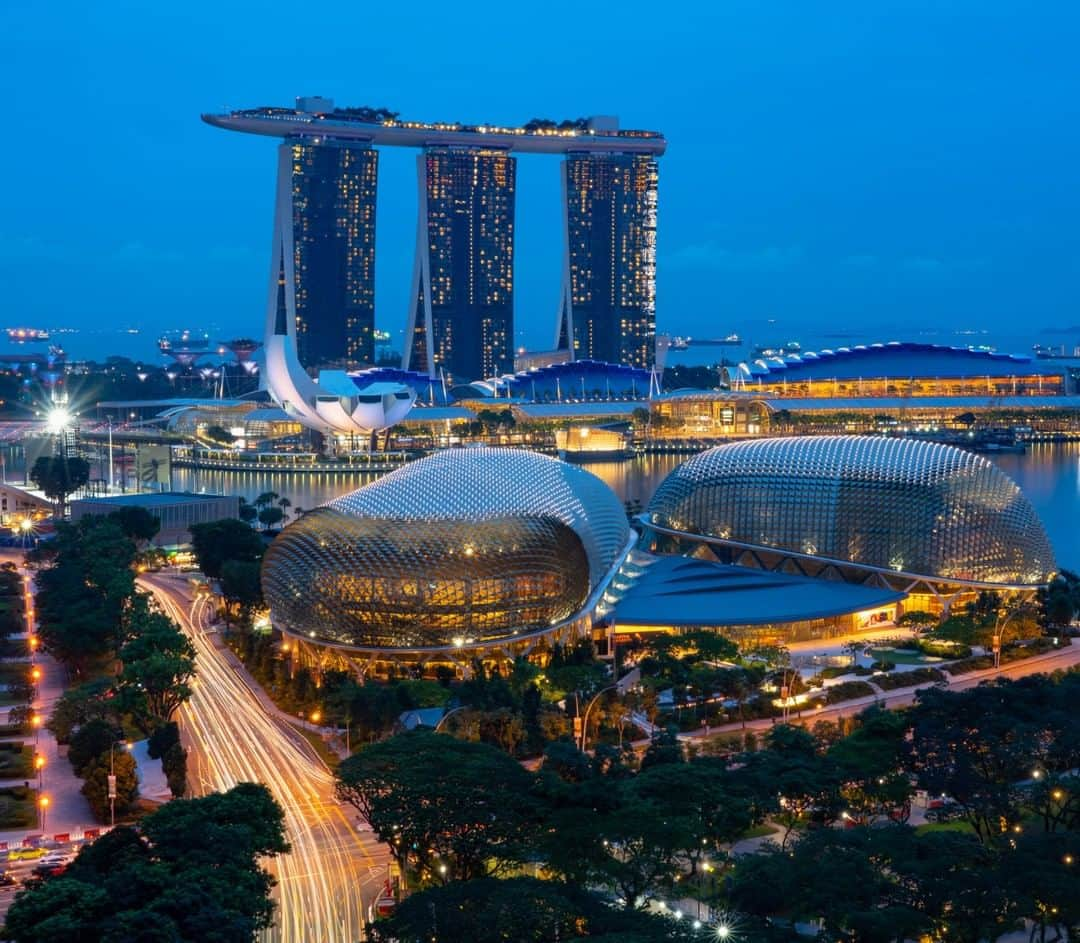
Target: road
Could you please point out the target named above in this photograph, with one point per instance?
(1067, 657)
(335, 869)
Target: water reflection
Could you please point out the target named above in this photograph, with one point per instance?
(1048, 474)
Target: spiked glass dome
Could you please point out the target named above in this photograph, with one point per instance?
(921, 508)
(468, 545)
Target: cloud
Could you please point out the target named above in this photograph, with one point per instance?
(711, 256)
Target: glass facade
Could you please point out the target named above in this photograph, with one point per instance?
(914, 507)
(465, 292)
(333, 216)
(379, 583)
(609, 301)
(462, 547)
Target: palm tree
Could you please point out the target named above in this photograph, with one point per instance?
(284, 504)
(248, 511)
(266, 499)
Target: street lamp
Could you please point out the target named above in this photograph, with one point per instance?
(43, 807)
(585, 719)
(39, 765)
(57, 420)
(999, 631)
(36, 721)
(112, 781)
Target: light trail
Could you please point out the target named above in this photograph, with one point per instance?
(333, 870)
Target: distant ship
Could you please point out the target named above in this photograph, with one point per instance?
(21, 335)
(1057, 352)
(791, 347)
(683, 343)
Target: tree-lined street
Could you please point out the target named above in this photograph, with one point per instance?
(335, 869)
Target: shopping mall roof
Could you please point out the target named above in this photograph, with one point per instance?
(683, 591)
(894, 359)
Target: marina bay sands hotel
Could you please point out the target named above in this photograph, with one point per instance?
(461, 317)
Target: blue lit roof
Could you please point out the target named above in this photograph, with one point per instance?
(682, 591)
(894, 359)
(428, 390)
(579, 379)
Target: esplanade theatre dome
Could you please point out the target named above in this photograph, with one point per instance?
(908, 506)
(466, 546)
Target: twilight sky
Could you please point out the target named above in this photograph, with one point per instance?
(848, 165)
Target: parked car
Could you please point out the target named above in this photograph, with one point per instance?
(25, 854)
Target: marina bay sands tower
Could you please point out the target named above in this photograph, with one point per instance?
(461, 310)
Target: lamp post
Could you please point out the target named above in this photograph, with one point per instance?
(112, 782)
(999, 631)
(39, 765)
(36, 721)
(447, 715)
(585, 719)
(43, 807)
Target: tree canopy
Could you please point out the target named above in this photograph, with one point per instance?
(190, 873)
(227, 539)
(59, 475)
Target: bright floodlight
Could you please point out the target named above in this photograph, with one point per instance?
(26, 524)
(57, 420)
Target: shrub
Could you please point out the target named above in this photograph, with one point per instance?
(847, 691)
(89, 742)
(883, 665)
(907, 679)
(937, 648)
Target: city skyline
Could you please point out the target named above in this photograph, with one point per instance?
(908, 168)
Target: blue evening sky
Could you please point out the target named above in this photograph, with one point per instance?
(877, 166)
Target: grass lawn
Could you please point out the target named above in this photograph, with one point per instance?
(954, 826)
(18, 812)
(17, 765)
(12, 671)
(901, 656)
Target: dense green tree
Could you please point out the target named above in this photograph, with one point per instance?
(664, 748)
(227, 539)
(791, 781)
(248, 512)
(96, 784)
(158, 665)
(270, 515)
(137, 523)
(190, 874)
(438, 801)
(241, 588)
(60, 909)
(57, 476)
(85, 587)
(174, 765)
(523, 910)
(870, 764)
(89, 742)
(79, 705)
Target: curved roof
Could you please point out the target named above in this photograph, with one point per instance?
(496, 483)
(571, 379)
(921, 508)
(894, 359)
(685, 591)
